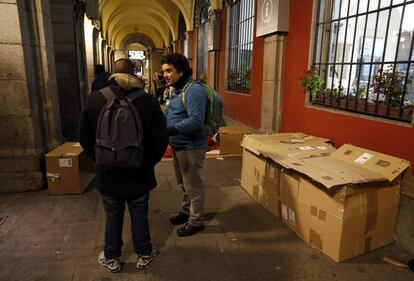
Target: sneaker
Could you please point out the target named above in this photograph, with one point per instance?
(188, 230)
(144, 260)
(113, 265)
(180, 218)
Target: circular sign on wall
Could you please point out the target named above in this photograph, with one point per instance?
(267, 10)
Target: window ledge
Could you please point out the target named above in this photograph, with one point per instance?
(362, 116)
(237, 93)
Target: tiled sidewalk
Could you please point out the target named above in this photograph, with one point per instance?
(58, 238)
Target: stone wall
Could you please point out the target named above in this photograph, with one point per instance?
(29, 115)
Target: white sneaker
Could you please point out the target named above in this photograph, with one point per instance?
(144, 260)
(113, 265)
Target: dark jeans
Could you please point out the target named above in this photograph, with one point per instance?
(114, 211)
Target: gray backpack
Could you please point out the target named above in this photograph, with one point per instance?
(119, 134)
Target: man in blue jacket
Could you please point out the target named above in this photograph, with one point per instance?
(185, 123)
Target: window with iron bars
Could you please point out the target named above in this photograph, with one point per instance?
(240, 46)
(201, 21)
(364, 55)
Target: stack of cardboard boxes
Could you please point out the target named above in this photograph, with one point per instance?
(344, 201)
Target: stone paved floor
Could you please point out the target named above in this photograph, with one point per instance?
(58, 238)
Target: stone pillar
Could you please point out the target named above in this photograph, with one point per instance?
(156, 55)
(90, 56)
(188, 45)
(274, 50)
(29, 112)
(69, 45)
(154, 59)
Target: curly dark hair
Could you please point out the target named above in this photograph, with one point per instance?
(179, 62)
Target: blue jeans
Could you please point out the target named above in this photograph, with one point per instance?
(114, 211)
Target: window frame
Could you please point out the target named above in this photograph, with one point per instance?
(324, 45)
(244, 89)
(201, 12)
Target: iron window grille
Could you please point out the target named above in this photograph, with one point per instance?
(364, 54)
(202, 8)
(240, 46)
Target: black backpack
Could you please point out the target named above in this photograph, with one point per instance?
(119, 134)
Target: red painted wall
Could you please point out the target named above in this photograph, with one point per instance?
(378, 136)
(243, 108)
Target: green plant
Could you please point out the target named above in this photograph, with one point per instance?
(389, 83)
(202, 77)
(311, 82)
(360, 93)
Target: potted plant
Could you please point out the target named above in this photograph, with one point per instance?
(311, 82)
(389, 83)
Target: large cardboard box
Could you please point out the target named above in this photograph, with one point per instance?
(267, 193)
(69, 170)
(345, 204)
(253, 169)
(230, 138)
(261, 175)
(289, 189)
(259, 183)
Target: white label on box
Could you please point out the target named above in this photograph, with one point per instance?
(321, 147)
(292, 217)
(306, 147)
(363, 158)
(77, 144)
(65, 162)
(284, 212)
(272, 172)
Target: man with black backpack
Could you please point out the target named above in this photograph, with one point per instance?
(123, 129)
(185, 121)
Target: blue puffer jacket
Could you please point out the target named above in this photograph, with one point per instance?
(186, 122)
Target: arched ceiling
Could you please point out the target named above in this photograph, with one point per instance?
(154, 19)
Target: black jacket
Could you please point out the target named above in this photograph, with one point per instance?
(121, 181)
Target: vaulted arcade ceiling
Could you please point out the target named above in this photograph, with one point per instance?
(125, 22)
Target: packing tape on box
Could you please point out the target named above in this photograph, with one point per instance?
(53, 176)
(315, 239)
(372, 212)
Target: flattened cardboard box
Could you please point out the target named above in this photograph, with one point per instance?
(69, 170)
(230, 138)
(260, 177)
(287, 145)
(345, 204)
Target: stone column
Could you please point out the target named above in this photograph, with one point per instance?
(155, 65)
(69, 44)
(156, 55)
(89, 49)
(274, 50)
(29, 112)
